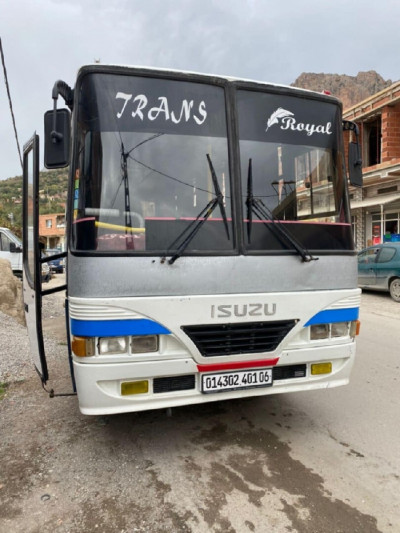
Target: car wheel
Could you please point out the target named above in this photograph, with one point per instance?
(394, 289)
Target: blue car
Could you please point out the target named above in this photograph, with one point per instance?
(379, 268)
(56, 265)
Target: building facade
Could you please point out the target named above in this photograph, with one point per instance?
(375, 208)
(52, 230)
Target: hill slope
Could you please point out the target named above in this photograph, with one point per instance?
(53, 196)
(349, 89)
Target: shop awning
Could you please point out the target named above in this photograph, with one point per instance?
(369, 202)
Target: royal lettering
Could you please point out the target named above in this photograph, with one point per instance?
(140, 109)
(291, 123)
(287, 121)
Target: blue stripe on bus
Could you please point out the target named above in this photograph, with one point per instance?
(116, 328)
(334, 315)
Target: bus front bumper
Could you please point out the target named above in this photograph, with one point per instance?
(102, 387)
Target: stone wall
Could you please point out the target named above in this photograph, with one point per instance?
(11, 302)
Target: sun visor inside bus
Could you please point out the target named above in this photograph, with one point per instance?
(288, 119)
(111, 102)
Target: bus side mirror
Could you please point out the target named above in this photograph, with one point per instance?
(57, 129)
(355, 165)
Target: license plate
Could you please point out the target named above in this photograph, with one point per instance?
(242, 379)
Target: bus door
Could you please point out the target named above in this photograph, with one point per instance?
(32, 283)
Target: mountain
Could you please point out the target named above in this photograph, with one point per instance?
(349, 89)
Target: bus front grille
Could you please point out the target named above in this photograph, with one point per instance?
(289, 372)
(188, 382)
(173, 383)
(215, 340)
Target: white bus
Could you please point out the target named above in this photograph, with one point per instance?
(210, 253)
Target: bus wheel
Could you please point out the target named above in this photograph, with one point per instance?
(395, 289)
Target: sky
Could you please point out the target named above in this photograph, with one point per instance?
(266, 40)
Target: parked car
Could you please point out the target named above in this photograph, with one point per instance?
(11, 249)
(46, 273)
(56, 265)
(379, 268)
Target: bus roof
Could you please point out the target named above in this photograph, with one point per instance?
(115, 67)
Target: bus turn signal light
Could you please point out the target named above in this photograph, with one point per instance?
(355, 328)
(83, 346)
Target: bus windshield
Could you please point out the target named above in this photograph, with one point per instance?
(143, 175)
(152, 169)
(291, 171)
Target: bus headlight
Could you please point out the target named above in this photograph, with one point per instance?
(339, 329)
(144, 344)
(319, 331)
(335, 330)
(113, 345)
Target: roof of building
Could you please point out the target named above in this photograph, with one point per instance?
(372, 104)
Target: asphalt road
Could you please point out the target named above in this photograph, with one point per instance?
(318, 462)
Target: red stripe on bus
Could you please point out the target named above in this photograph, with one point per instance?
(237, 365)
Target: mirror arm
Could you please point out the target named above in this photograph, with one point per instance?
(348, 125)
(63, 89)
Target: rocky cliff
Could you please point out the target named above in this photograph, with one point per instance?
(349, 89)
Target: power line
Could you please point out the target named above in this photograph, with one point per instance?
(10, 102)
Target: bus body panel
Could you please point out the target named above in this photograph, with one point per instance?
(99, 378)
(146, 276)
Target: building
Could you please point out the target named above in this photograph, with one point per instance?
(375, 208)
(52, 229)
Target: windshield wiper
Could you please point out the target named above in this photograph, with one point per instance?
(201, 218)
(219, 195)
(257, 206)
(125, 179)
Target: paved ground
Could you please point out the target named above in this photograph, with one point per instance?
(306, 463)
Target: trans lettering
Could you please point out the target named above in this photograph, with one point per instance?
(139, 108)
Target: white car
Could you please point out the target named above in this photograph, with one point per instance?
(11, 249)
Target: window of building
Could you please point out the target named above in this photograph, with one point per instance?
(387, 190)
(388, 226)
(61, 222)
(376, 229)
(372, 142)
(391, 225)
(49, 223)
